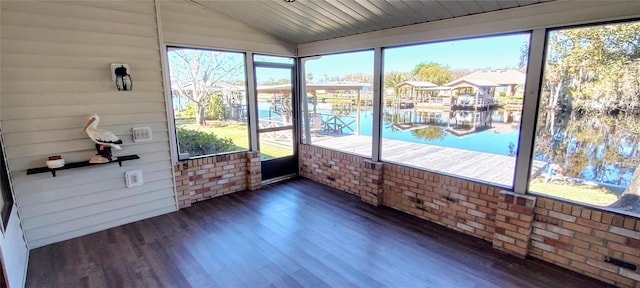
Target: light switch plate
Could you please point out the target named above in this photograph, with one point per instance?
(141, 134)
(133, 178)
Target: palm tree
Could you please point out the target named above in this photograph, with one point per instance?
(392, 79)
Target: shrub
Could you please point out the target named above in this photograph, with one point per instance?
(190, 110)
(198, 143)
(216, 108)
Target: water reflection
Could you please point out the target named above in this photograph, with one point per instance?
(466, 122)
(599, 148)
(491, 131)
(436, 125)
(458, 122)
(429, 133)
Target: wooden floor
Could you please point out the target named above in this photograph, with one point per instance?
(292, 234)
(485, 167)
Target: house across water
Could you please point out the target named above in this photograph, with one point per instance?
(465, 105)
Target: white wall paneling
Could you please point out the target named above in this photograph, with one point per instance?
(13, 247)
(188, 24)
(15, 252)
(58, 55)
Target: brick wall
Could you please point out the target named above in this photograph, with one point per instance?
(573, 236)
(347, 172)
(514, 221)
(581, 239)
(457, 204)
(208, 177)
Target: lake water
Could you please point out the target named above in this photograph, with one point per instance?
(583, 160)
(486, 141)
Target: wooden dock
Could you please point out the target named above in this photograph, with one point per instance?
(478, 166)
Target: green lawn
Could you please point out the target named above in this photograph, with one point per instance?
(581, 193)
(239, 133)
(270, 151)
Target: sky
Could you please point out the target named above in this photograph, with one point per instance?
(495, 52)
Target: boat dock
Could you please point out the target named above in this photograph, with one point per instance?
(479, 166)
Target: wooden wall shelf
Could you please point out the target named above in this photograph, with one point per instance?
(79, 164)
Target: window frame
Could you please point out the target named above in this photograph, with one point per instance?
(536, 55)
(175, 151)
(529, 80)
(303, 122)
(6, 188)
(273, 57)
(524, 186)
(531, 98)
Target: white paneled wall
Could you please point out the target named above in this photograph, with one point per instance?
(55, 74)
(13, 248)
(14, 251)
(184, 23)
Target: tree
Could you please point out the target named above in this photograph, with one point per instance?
(357, 78)
(392, 79)
(197, 75)
(592, 102)
(594, 69)
(217, 109)
(281, 81)
(432, 72)
(524, 55)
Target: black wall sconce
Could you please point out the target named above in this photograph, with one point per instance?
(120, 73)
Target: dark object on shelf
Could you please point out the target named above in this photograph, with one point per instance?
(79, 164)
(105, 151)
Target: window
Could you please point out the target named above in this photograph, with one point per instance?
(6, 199)
(454, 107)
(275, 111)
(588, 125)
(209, 99)
(338, 103)
(273, 59)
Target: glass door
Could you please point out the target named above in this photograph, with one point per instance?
(275, 94)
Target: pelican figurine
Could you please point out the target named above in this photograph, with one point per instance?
(104, 140)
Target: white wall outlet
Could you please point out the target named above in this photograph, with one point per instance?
(141, 134)
(133, 178)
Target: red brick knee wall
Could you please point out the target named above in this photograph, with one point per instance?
(587, 240)
(514, 222)
(581, 238)
(208, 177)
(457, 204)
(347, 172)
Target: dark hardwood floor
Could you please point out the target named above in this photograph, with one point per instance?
(293, 234)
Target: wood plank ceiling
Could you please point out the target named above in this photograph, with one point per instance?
(304, 21)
